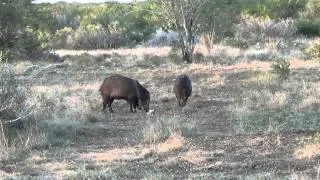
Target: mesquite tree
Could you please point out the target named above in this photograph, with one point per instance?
(184, 16)
(11, 20)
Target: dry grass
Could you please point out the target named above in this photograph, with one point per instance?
(173, 143)
(202, 139)
(123, 52)
(278, 101)
(309, 151)
(140, 151)
(195, 156)
(126, 153)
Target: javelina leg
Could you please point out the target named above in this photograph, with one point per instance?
(131, 109)
(180, 102)
(132, 103)
(109, 105)
(134, 107)
(105, 102)
(184, 101)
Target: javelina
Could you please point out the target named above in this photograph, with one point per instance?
(121, 87)
(182, 89)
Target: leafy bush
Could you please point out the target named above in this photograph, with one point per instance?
(15, 107)
(235, 42)
(62, 36)
(314, 49)
(273, 8)
(308, 27)
(11, 18)
(66, 18)
(174, 56)
(88, 37)
(32, 41)
(312, 9)
(258, 31)
(163, 38)
(3, 56)
(281, 69)
(162, 127)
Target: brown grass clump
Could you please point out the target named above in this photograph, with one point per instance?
(309, 151)
(111, 155)
(194, 156)
(175, 142)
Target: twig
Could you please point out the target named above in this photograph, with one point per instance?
(19, 118)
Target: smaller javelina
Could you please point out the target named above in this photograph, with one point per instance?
(121, 87)
(182, 89)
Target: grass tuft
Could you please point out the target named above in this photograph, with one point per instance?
(162, 127)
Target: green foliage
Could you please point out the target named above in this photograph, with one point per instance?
(117, 22)
(91, 37)
(312, 9)
(280, 68)
(24, 26)
(3, 56)
(132, 23)
(264, 32)
(314, 49)
(137, 21)
(13, 97)
(273, 8)
(174, 56)
(279, 121)
(236, 42)
(39, 17)
(62, 36)
(32, 41)
(11, 20)
(218, 19)
(14, 108)
(308, 27)
(317, 137)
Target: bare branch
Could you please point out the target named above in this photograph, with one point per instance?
(19, 118)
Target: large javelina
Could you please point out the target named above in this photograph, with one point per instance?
(120, 87)
(182, 89)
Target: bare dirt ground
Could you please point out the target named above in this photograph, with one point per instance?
(111, 147)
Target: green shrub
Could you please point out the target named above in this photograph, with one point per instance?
(281, 69)
(162, 127)
(174, 56)
(236, 42)
(15, 108)
(263, 31)
(94, 37)
(3, 56)
(308, 27)
(314, 49)
(312, 9)
(61, 37)
(32, 41)
(317, 137)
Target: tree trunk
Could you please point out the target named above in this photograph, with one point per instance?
(187, 44)
(186, 54)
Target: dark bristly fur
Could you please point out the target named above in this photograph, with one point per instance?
(182, 89)
(121, 87)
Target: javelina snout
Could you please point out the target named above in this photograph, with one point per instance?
(121, 87)
(182, 89)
